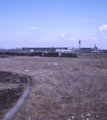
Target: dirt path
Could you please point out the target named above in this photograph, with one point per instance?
(11, 113)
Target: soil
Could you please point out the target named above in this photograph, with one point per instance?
(62, 88)
(10, 92)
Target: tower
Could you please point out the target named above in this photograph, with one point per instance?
(79, 44)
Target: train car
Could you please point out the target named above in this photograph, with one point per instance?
(68, 55)
(35, 54)
(51, 54)
(23, 53)
(2, 52)
(11, 53)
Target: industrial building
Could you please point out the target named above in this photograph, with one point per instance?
(51, 49)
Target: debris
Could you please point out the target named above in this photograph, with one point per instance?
(74, 114)
(89, 114)
(55, 63)
(105, 102)
(69, 118)
(82, 116)
(97, 116)
(87, 119)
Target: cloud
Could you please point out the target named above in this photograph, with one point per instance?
(62, 35)
(90, 38)
(72, 39)
(94, 38)
(33, 28)
(103, 28)
(66, 37)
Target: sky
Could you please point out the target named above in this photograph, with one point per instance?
(53, 23)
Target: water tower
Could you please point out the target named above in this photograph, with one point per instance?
(79, 44)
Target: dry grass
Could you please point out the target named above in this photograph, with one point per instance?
(69, 89)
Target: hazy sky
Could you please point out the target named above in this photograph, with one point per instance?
(48, 23)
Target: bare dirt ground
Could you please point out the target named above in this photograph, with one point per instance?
(11, 88)
(63, 88)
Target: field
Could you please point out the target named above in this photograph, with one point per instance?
(62, 88)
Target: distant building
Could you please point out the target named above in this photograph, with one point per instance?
(96, 50)
(86, 50)
(104, 51)
(64, 50)
(53, 49)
